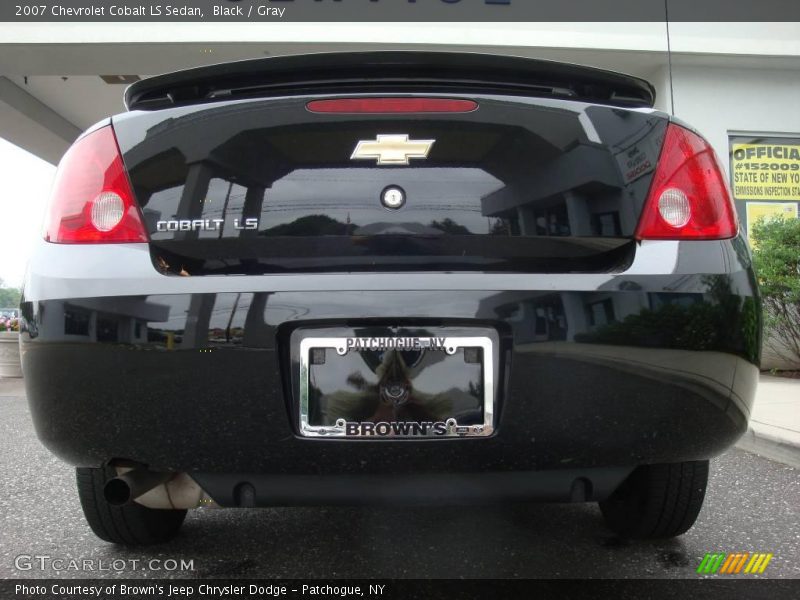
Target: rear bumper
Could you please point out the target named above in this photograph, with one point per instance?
(194, 374)
(259, 490)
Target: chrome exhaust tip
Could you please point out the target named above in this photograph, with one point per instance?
(126, 487)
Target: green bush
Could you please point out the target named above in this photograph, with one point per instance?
(776, 256)
(9, 296)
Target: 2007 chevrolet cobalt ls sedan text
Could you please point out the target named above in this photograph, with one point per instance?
(390, 277)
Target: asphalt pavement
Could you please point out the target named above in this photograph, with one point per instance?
(753, 504)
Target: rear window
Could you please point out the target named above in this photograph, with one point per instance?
(266, 187)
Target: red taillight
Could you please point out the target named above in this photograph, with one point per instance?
(689, 196)
(92, 201)
(392, 105)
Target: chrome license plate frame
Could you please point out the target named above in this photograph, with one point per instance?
(448, 429)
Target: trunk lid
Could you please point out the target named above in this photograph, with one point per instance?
(263, 185)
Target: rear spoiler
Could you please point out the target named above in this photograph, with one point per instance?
(388, 71)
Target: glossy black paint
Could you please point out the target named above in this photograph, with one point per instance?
(206, 385)
(522, 185)
(338, 72)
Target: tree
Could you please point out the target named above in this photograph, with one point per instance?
(9, 296)
(776, 256)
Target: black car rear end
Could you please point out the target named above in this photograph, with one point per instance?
(396, 276)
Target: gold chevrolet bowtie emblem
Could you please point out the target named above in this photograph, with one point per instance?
(392, 149)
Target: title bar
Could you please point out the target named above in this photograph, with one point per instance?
(69, 11)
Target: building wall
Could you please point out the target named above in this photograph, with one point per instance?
(719, 100)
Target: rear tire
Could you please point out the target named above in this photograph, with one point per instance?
(131, 524)
(657, 501)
